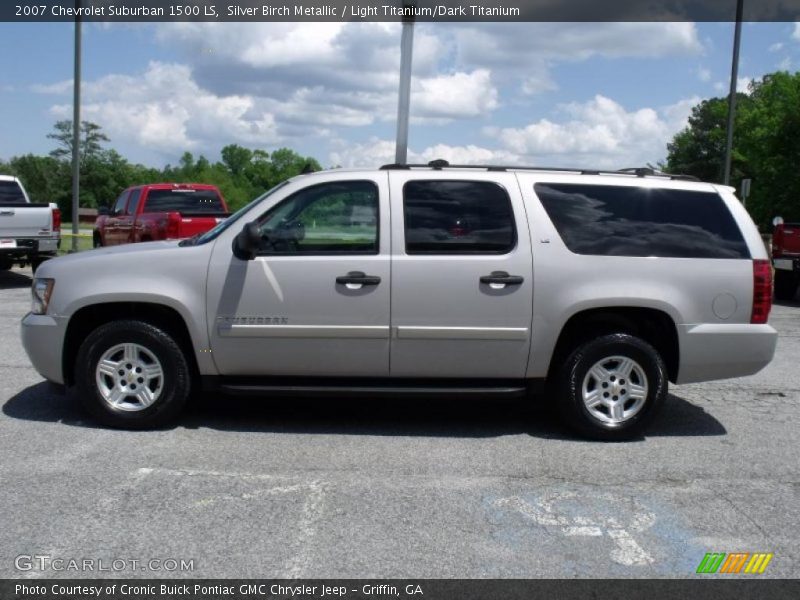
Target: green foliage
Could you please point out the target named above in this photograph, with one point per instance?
(241, 175)
(766, 145)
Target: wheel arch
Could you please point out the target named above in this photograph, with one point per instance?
(89, 317)
(654, 326)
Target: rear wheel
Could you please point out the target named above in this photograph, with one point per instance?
(5, 265)
(611, 387)
(132, 375)
(785, 285)
(97, 241)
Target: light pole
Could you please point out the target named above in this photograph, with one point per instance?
(737, 35)
(404, 95)
(76, 131)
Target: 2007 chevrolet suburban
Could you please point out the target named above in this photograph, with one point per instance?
(422, 279)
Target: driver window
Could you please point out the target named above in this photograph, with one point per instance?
(119, 205)
(330, 218)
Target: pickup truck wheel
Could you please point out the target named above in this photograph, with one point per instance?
(785, 285)
(132, 375)
(611, 387)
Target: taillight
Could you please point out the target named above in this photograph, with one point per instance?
(762, 291)
(56, 219)
(173, 225)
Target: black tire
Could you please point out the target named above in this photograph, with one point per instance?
(785, 285)
(36, 262)
(176, 382)
(97, 241)
(571, 378)
(5, 265)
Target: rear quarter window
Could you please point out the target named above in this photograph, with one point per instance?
(183, 201)
(638, 221)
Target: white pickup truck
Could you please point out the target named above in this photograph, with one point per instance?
(29, 233)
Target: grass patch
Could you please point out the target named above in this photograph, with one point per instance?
(84, 243)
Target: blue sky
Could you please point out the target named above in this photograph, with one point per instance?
(583, 94)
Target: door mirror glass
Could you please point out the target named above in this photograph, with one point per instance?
(247, 243)
(777, 221)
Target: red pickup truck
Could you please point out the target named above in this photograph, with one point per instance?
(160, 211)
(786, 259)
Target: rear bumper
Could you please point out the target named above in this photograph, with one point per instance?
(27, 247)
(43, 340)
(711, 352)
(787, 264)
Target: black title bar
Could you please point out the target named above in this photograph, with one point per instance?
(391, 589)
(396, 10)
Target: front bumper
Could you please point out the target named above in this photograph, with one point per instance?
(43, 340)
(712, 351)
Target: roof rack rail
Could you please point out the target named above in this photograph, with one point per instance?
(440, 164)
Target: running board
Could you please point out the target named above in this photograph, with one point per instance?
(351, 388)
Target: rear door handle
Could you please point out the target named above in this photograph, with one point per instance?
(358, 278)
(501, 277)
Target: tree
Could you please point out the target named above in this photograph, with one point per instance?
(236, 158)
(91, 139)
(766, 145)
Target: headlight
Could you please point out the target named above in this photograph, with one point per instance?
(40, 295)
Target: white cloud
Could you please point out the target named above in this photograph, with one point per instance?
(600, 132)
(796, 33)
(455, 96)
(703, 74)
(376, 152)
(785, 64)
(776, 47)
(743, 84)
(165, 109)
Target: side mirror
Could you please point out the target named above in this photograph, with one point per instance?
(777, 221)
(247, 242)
(103, 211)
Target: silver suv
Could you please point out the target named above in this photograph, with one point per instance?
(596, 288)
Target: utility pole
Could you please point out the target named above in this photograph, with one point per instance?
(404, 95)
(737, 35)
(76, 131)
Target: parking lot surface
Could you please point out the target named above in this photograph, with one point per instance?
(444, 489)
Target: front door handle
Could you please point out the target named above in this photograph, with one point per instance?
(501, 277)
(358, 278)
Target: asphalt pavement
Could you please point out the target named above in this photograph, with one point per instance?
(445, 489)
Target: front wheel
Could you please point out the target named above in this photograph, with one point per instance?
(132, 375)
(611, 387)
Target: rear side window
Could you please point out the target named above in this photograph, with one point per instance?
(639, 221)
(457, 217)
(11, 193)
(184, 201)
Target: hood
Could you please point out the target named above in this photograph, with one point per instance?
(145, 254)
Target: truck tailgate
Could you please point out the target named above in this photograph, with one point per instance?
(24, 220)
(192, 225)
(787, 239)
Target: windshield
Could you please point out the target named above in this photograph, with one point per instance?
(11, 193)
(212, 234)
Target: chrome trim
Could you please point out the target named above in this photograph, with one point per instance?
(462, 333)
(305, 331)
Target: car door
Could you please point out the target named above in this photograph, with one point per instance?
(315, 301)
(111, 228)
(461, 276)
(127, 219)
